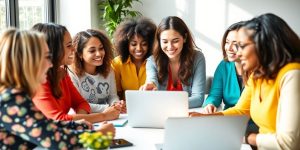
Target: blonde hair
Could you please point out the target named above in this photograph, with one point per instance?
(21, 54)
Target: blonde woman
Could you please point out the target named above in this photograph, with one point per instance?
(22, 126)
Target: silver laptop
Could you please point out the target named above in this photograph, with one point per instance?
(150, 109)
(204, 133)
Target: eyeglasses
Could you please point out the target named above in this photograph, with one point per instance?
(242, 46)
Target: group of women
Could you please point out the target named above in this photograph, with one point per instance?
(44, 73)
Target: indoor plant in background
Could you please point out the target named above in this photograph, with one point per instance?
(113, 12)
(95, 140)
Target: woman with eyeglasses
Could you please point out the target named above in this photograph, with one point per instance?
(270, 56)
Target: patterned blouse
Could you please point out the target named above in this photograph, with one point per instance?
(23, 126)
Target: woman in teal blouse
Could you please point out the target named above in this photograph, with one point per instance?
(227, 84)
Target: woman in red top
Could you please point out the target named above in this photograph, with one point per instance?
(58, 95)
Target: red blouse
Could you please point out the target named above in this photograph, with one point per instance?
(171, 86)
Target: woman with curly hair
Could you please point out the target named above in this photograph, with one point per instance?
(134, 40)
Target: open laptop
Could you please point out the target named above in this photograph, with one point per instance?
(150, 109)
(204, 133)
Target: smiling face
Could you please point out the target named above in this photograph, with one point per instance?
(93, 54)
(69, 49)
(171, 43)
(246, 52)
(230, 48)
(138, 48)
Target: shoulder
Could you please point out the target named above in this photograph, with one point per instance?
(150, 58)
(117, 60)
(199, 56)
(226, 64)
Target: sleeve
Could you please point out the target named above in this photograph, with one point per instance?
(243, 105)
(95, 108)
(78, 102)
(151, 71)
(216, 92)
(31, 125)
(47, 104)
(74, 78)
(287, 134)
(113, 96)
(117, 71)
(198, 82)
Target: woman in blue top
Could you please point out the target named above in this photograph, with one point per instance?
(227, 84)
(176, 65)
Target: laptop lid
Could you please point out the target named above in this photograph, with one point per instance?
(152, 108)
(205, 133)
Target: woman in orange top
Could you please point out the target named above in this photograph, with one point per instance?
(58, 95)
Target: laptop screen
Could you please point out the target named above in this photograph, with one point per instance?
(152, 108)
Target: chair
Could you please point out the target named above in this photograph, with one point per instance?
(208, 84)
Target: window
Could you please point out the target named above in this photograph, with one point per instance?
(31, 12)
(2, 15)
(25, 13)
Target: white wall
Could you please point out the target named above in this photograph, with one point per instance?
(208, 19)
(78, 15)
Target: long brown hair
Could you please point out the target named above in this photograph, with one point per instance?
(55, 39)
(79, 42)
(187, 54)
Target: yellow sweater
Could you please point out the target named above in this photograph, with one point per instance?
(261, 99)
(126, 75)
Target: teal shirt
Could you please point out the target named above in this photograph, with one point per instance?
(225, 86)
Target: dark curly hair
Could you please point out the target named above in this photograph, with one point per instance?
(143, 27)
(79, 42)
(187, 54)
(276, 45)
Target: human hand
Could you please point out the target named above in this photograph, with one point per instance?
(107, 127)
(120, 105)
(209, 109)
(84, 122)
(148, 86)
(111, 113)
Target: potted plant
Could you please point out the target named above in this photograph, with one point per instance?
(115, 11)
(95, 140)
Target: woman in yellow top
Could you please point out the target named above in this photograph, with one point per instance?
(133, 40)
(270, 56)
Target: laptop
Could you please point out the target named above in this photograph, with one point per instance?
(204, 133)
(150, 109)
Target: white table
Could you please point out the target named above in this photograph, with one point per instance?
(146, 138)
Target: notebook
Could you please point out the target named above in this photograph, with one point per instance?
(150, 109)
(204, 133)
(120, 122)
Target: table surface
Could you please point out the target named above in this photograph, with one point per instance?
(146, 138)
